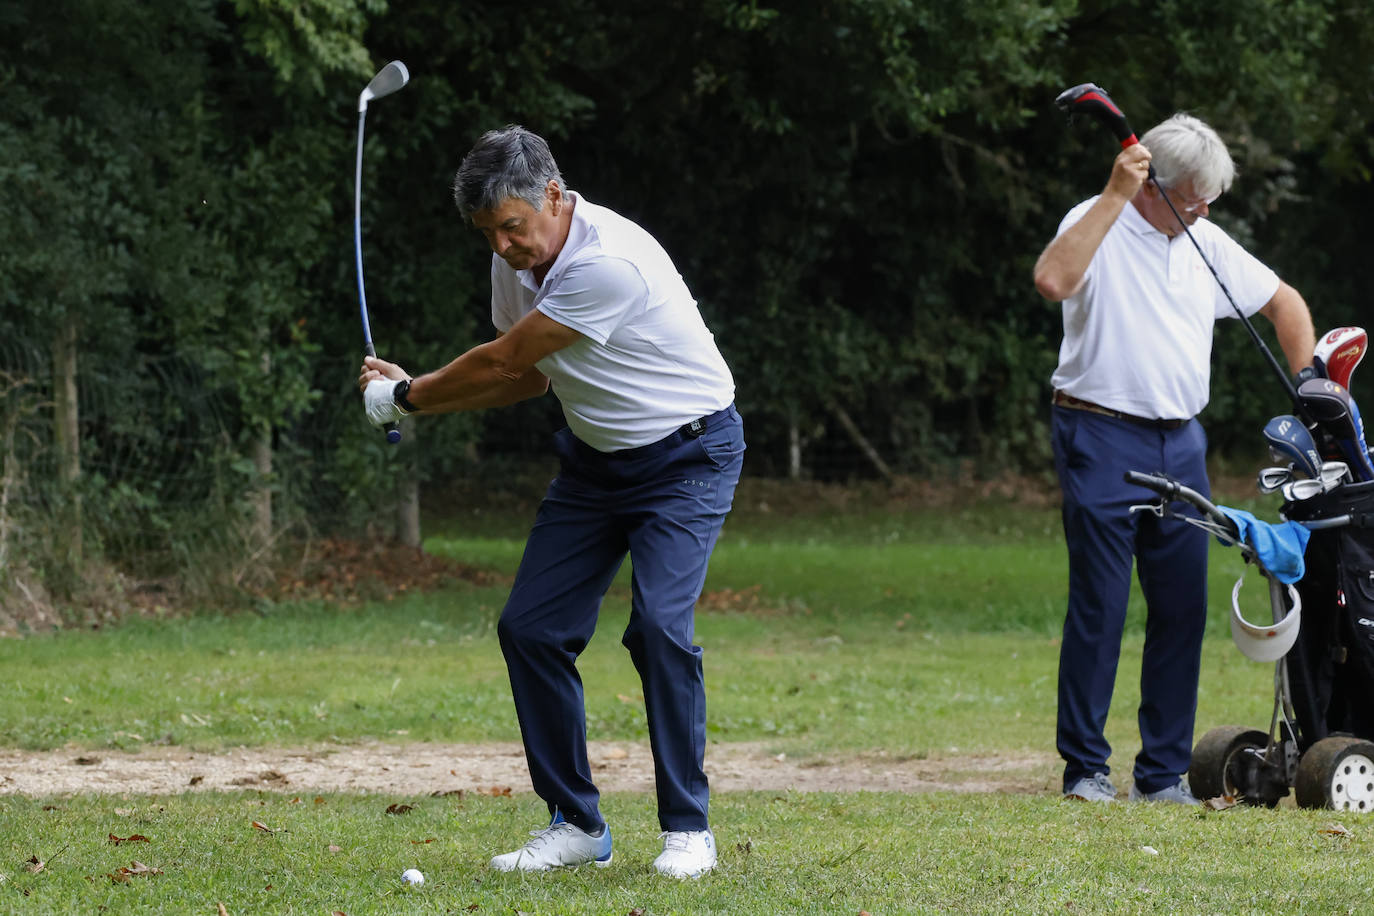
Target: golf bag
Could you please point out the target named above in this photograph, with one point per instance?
(1331, 666)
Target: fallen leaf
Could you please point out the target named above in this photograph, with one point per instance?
(637, 911)
(86, 761)
(472, 907)
(399, 809)
(617, 753)
(333, 848)
(295, 801)
(445, 793)
(338, 913)
(499, 792)
(51, 808)
(132, 838)
(221, 910)
(1221, 802)
(196, 780)
(34, 864)
(1335, 830)
(423, 842)
(319, 799)
(1149, 850)
(124, 812)
(259, 825)
(135, 869)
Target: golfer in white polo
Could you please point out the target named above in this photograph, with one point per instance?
(589, 303)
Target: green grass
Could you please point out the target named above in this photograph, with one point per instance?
(929, 634)
(780, 853)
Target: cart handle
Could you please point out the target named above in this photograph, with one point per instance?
(1171, 490)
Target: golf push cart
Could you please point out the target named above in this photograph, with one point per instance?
(1320, 638)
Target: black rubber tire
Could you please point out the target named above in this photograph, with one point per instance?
(1337, 772)
(1211, 774)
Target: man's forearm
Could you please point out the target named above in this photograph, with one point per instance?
(531, 384)
(1292, 325)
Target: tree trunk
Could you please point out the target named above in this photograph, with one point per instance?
(408, 493)
(794, 450)
(860, 440)
(67, 437)
(261, 495)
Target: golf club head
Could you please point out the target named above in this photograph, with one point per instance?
(1336, 473)
(1272, 479)
(1338, 352)
(1091, 100)
(1298, 490)
(1290, 440)
(1331, 405)
(389, 79)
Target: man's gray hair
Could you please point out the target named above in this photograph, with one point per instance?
(508, 163)
(1185, 149)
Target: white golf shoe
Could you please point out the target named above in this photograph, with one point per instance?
(686, 853)
(558, 845)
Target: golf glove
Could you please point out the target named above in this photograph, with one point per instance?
(379, 397)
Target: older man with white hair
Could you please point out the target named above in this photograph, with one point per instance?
(1139, 307)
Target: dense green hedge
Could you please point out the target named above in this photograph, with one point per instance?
(855, 190)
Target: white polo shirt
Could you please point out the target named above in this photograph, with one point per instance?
(1138, 334)
(647, 364)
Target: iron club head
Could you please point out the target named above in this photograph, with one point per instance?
(389, 79)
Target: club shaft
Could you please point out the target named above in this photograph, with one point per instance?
(393, 431)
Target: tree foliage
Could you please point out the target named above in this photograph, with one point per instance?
(855, 190)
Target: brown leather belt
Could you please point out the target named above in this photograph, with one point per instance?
(1063, 399)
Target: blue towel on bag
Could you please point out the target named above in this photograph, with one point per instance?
(1279, 547)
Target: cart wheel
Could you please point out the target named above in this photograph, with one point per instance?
(1214, 771)
(1337, 772)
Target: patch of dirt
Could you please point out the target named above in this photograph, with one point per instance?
(496, 769)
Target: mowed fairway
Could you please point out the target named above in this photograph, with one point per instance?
(830, 636)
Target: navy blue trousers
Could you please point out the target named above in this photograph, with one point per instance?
(663, 505)
(1092, 452)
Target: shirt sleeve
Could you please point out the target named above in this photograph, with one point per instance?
(505, 306)
(1250, 282)
(596, 296)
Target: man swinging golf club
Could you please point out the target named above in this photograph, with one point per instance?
(588, 302)
(1140, 302)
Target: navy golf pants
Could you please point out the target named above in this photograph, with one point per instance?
(1092, 453)
(664, 505)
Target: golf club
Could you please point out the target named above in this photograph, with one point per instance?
(1336, 412)
(1271, 479)
(1290, 440)
(1298, 490)
(1338, 352)
(1091, 100)
(1336, 472)
(388, 80)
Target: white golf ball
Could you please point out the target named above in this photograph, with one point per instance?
(413, 876)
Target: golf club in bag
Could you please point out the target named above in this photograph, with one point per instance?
(389, 79)
(1091, 100)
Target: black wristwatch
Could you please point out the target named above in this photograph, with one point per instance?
(399, 395)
